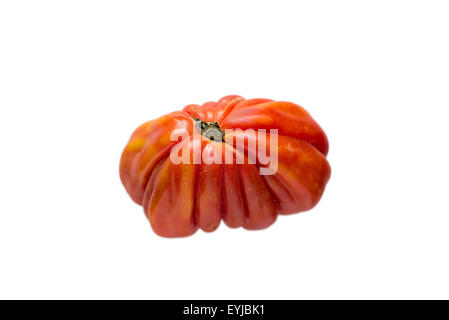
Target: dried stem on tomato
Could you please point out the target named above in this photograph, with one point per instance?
(210, 130)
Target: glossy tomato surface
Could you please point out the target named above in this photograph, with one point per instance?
(225, 182)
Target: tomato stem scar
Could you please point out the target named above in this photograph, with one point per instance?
(210, 130)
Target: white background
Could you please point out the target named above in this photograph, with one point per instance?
(77, 77)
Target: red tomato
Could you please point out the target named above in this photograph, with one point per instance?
(178, 197)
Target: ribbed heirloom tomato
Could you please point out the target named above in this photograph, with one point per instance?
(188, 170)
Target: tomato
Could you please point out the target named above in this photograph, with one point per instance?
(181, 192)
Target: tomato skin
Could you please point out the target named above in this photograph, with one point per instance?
(180, 198)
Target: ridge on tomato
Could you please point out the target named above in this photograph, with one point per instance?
(180, 194)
